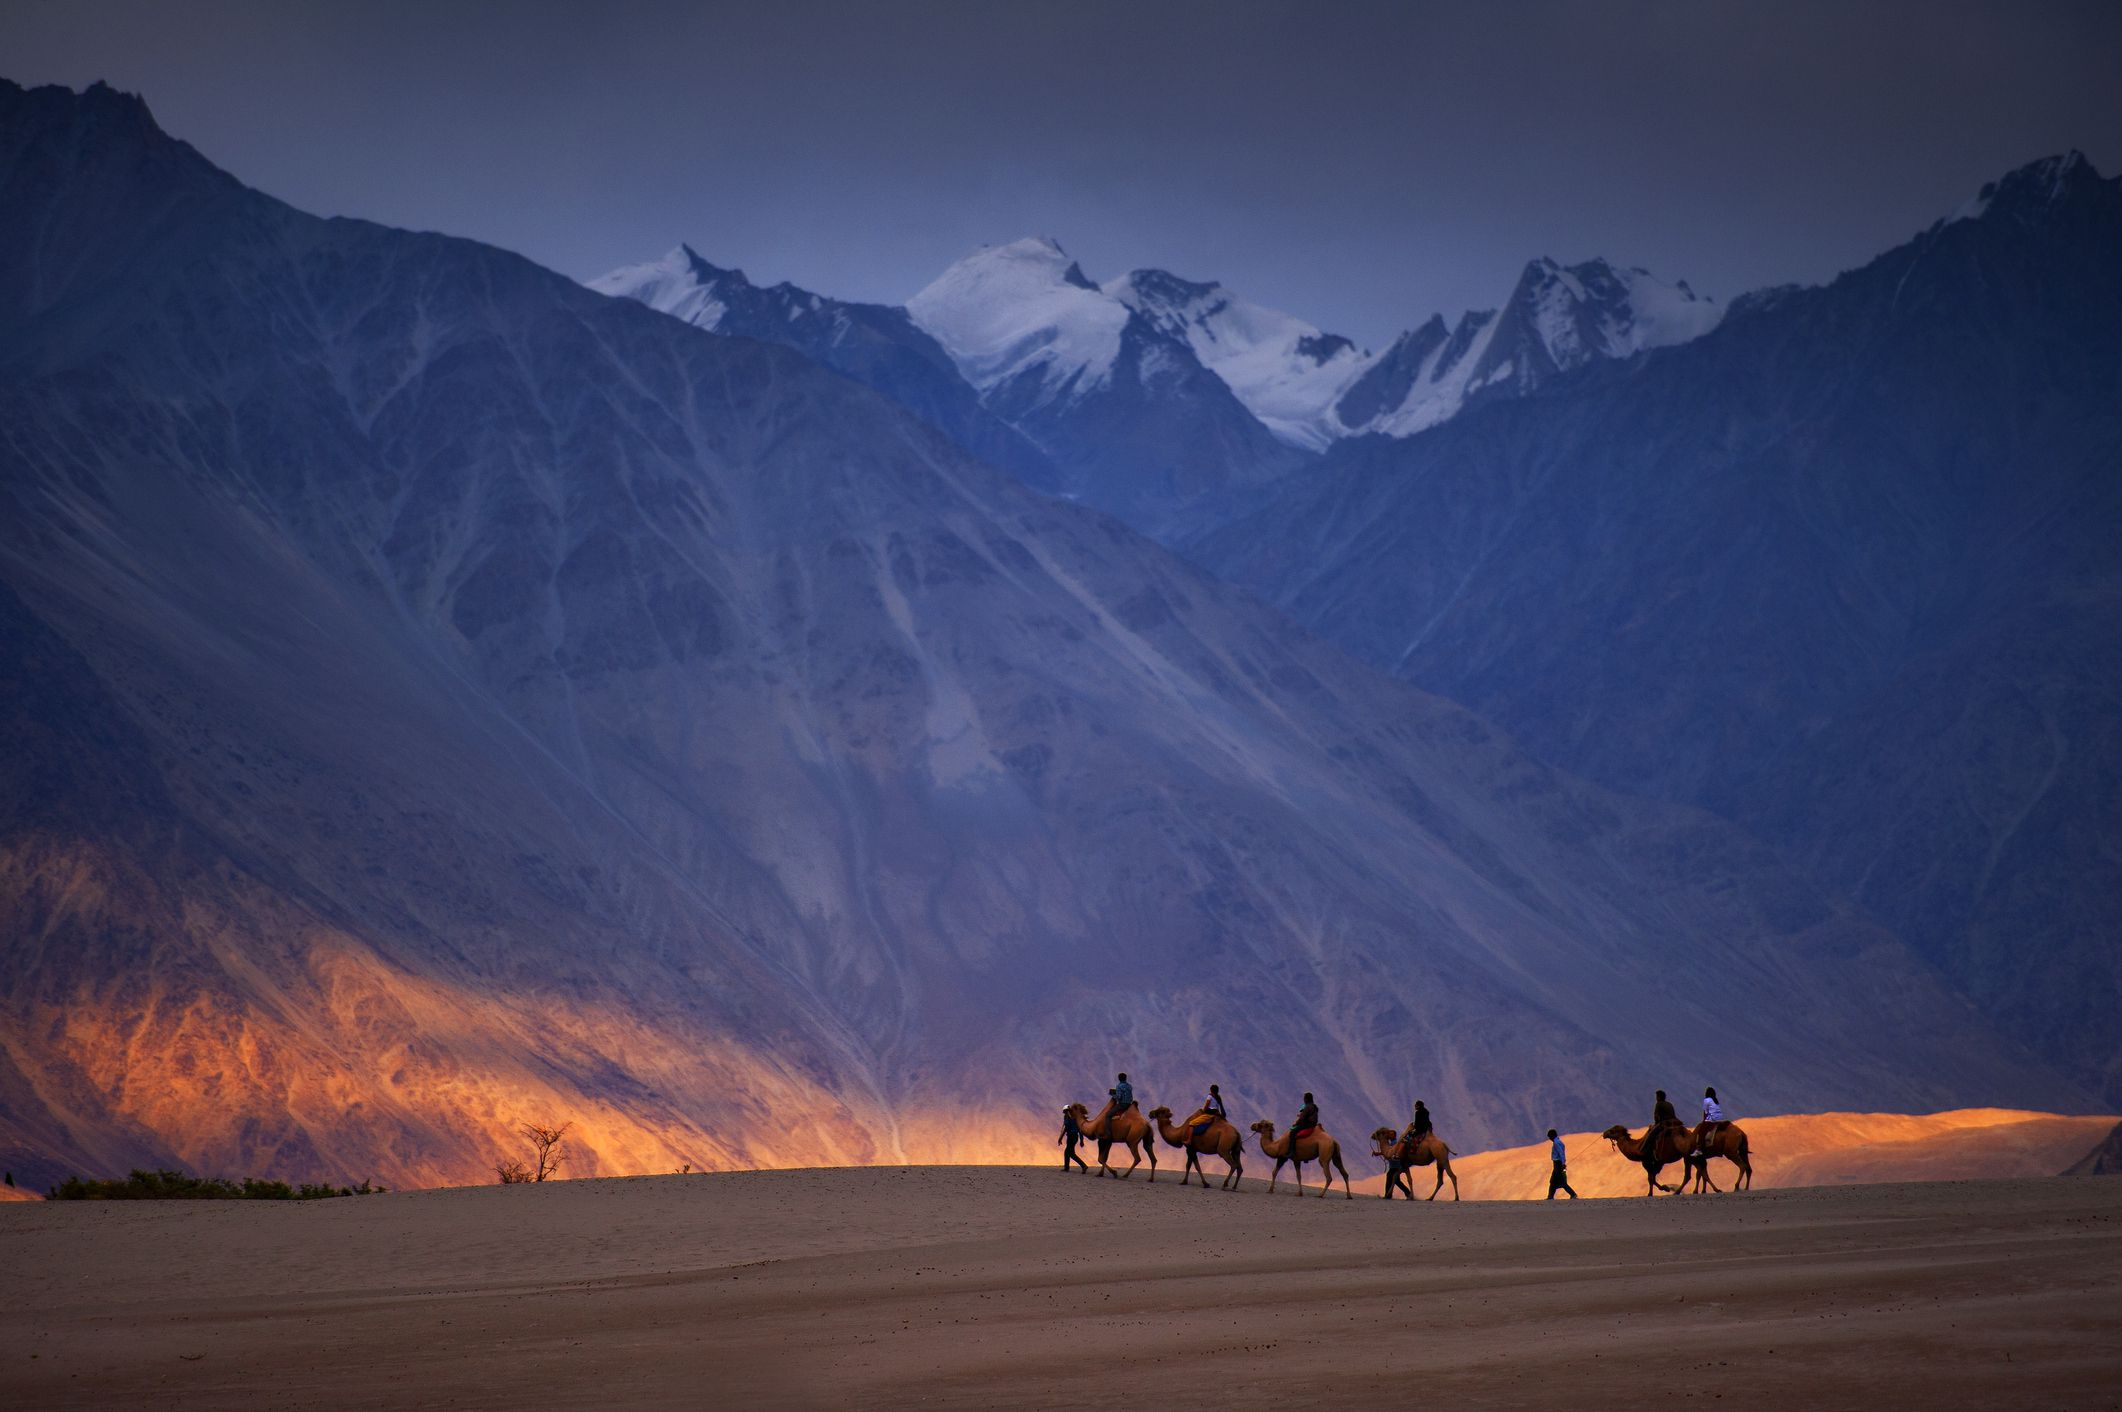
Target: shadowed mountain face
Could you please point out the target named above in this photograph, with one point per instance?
(876, 345)
(439, 696)
(1847, 570)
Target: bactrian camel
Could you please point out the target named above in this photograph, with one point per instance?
(1399, 1156)
(1218, 1139)
(1726, 1140)
(1109, 1127)
(1673, 1145)
(1315, 1146)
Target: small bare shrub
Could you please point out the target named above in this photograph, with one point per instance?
(548, 1151)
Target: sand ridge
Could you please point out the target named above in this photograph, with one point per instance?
(976, 1287)
(1799, 1149)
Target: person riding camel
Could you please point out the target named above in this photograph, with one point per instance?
(1662, 1117)
(1712, 1118)
(1420, 1128)
(1123, 1096)
(1307, 1121)
(1209, 1113)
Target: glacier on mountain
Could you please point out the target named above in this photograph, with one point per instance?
(1006, 309)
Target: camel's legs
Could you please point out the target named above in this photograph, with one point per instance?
(1440, 1184)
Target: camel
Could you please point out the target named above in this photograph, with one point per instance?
(1108, 1128)
(1218, 1139)
(1390, 1145)
(1728, 1142)
(1318, 1146)
(1673, 1145)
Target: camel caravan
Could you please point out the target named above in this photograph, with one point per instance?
(1209, 1132)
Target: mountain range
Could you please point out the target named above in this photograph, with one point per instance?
(1170, 403)
(440, 696)
(1846, 570)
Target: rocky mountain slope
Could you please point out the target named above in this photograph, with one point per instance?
(438, 695)
(875, 344)
(1847, 569)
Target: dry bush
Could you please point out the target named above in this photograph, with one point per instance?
(548, 1151)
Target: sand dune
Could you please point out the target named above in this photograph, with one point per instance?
(1807, 1149)
(978, 1287)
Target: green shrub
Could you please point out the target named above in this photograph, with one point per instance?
(182, 1186)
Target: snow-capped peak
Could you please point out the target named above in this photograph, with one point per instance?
(1558, 318)
(1285, 371)
(1596, 310)
(1005, 310)
(680, 284)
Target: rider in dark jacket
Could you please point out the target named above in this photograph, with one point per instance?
(1662, 1117)
(1307, 1119)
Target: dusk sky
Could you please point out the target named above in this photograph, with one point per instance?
(1363, 165)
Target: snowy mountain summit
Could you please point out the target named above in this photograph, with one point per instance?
(680, 284)
(1558, 318)
(1006, 310)
(1159, 398)
(1287, 372)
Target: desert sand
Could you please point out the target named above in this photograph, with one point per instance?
(980, 1287)
(1806, 1149)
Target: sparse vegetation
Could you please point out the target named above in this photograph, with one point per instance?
(166, 1185)
(547, 1148)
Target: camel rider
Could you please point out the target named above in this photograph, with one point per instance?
(1210, 1110)
(1307, 1121)
(1416, 1130)
(1123, 1096)
(1712, 1118)
(1662, 1117)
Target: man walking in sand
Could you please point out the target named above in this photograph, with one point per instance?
(1558, 1180)
(1070, 1136)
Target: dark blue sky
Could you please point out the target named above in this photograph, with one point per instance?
(1361, 164)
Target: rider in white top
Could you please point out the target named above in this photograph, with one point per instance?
(1712, 1111)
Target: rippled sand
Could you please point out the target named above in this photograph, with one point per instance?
(979, 1287)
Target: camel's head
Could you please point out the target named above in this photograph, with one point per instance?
(1616, 1133)
(1160, 1115)
(1382, 1139)
(1264, 1128)
(1078, 1111)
